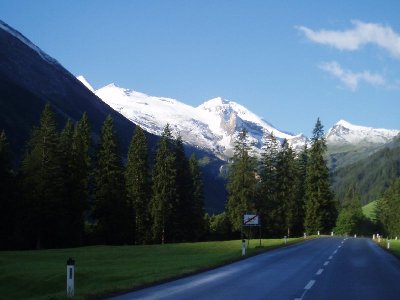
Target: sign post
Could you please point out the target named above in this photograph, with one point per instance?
(249, 219)
(70, 277)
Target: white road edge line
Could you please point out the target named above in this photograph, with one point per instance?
(326, 263)
(309, 285)
(319, 272)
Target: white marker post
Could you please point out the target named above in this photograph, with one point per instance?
(331, 233)
(243, 247)
(70, 277)
(318, 232)
(355, 235)
(388, 244)
(285, 238)
(305, 235)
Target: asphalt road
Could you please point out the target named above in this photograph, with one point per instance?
(324, 268)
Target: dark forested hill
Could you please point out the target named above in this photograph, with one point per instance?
(370, 176)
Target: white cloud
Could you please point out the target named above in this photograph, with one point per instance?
(351, 79)
(353, 39)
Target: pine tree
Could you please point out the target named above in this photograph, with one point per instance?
(80, 166)
(183, 215)
(137, 178)
(7, 205)
(110, 199)
(43, 183)
(286, 182)
(241, 181)
(197, 204)
(164, 194)
(66, 163)
(267, 200)
(301, 167)
(320, 207)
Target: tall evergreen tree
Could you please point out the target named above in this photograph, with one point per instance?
(301, 167)
(43, 183)
(81, 164)
(286, 181)
(137, 178)
(320, 207)
(197, 204)
(184, 189)
(7, 205)
(110, 198)
(268, 203)
(241, 181)
(66, 163)
(164, 194)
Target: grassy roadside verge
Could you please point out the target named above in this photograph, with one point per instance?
(101, 270)
(394, 246)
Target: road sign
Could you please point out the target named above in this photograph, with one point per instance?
(251, 220)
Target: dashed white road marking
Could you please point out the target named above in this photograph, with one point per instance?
(330, 257)
(334, 252)
(309, 285)
(319, 272)
(326, 263)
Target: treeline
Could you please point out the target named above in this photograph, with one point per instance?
(70, 192)
(386, 222)
(290, 192)
(388, 210)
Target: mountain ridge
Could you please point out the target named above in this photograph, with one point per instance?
(213, 124)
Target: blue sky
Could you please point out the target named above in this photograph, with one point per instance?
(288, 61)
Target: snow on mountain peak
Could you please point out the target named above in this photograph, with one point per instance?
(85, 83)
(347, 133)
(212, 125)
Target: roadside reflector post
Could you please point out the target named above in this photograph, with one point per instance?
(243, 247)
(70, 277)
(318, 232)
(396, 238)
(305, 235)
(331, 233)
(379, 238)
(373, 236)
(388, 244)
(355, 235)
(285, 238)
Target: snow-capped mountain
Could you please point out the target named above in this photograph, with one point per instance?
(344, 132)
(213, 125)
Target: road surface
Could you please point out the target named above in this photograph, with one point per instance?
(324, 268)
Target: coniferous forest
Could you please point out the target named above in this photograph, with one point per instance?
(70, 191)
(290, 192)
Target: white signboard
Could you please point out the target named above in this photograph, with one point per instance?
(251, 220)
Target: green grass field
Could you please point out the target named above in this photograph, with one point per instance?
(369, 210)
(394, 246)
(102, 270)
